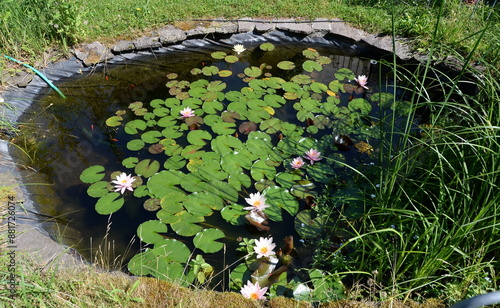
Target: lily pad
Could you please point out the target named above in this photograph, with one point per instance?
(281, 197)
(218, 55)
(134, 126)
(286, 65)
(310, 66)
(253, 71)
(267, 46)
(148, 231)
(152, 204)
(360, 104)
(109, 203)
(231, 59)
(206, 240)
(147, 167)
(114, 121)
(308, 227)
(234, 214)
(92, 174)
(199, 137)
(135, 144)
(98, 189)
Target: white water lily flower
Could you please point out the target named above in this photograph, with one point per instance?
(187, 113)
(264, 247)
(362, 80)
(253, 291)
(238, 48)
(257, 202)
(123, 182)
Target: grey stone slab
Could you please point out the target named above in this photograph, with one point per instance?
(200, 31)
(343, 29)
(93, 53)
(321, 24)
(291, 26)
(123, 46)
(146, 42)
(170, 34)
(246, 25)
(265, 26)
(225, 27)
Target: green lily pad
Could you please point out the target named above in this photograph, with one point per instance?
(159, 183)
(135, 144)
(206, 240)
(308, 227)
(152, 136)
(303, 189)
(225, 73)
(310, 53)
(286, 65)
(239, 180)
(261, 185)
(98, 189)
(92, 174)
(267, 46)
(310, 66)
(140, 263)
(109, 203)
(280, 197)
(287, 179)
(271, 126)
(183, 223)
(234, 214)
(114, 121)
(302, 79)
(261, 170)
(224, 128)
(147, 167)
(344, 73)
(253, 71)
(231, 59)
(134, 126)
(318, 87)
(174, 163)
(360, 104)
(198, 137)
(210, 70)
(172, 250)
(148, 231)
(218, 55)
(130, 162)
(385, 100)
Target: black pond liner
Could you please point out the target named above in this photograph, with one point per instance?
(61, 155)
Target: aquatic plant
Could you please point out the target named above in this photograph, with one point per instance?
(201, 151)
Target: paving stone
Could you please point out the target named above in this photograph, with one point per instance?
(246, 25)
(93, 53)
(291, 26)
(146, 42)
(123, 46)
(265, 26)
(321, 24)
(170, 34)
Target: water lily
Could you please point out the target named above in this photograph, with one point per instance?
(187, 113)
(253, 291)
(297, 162)
(123, 182)
(257, 202)
(313, 156)
(264, 247)
(362, 80)
(238, 48)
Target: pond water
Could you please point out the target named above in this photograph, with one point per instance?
(64, 137)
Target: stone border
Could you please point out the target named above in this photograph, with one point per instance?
(97, 52)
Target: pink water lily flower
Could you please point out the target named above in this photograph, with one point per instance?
(313, 156)
(297, 162)
(257, 202)
(253, 291)
(187, 113)
(264, 247)
(362, 80)
(123, 182)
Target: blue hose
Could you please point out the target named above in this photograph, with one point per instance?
(39, 74)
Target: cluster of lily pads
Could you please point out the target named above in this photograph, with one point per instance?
(250, 155)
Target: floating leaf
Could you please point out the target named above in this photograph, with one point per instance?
(231, 59)
(310, 66)
(198, 137)
(224, 128)
(147, 167)
(239, 180)
(323, 60)
(308, 227)
(212, 107)
(172, 250)
(344, 73)
(310, 53)
(152, 136)
(267, 46)
(261, 170)
(234, 214)
(360, 104)
(210, 70)
(302, 79)
(175, 163)
(92, 174)
(183, 223)
(253, 71)
(287, 179)
(114, 121)
(303, 189)
(139, 264)
(206, 240)
(218, 55)
(225, 144)
(135, 144)
(109, 203)
(286, 65)
(156, 148)
(385, 100)
(225, 73)
(98, 189)
(261, 185)
(230, 116)
(148, 231)
(152, 204)
(271, 126)
(318, 87)
(281, 197)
